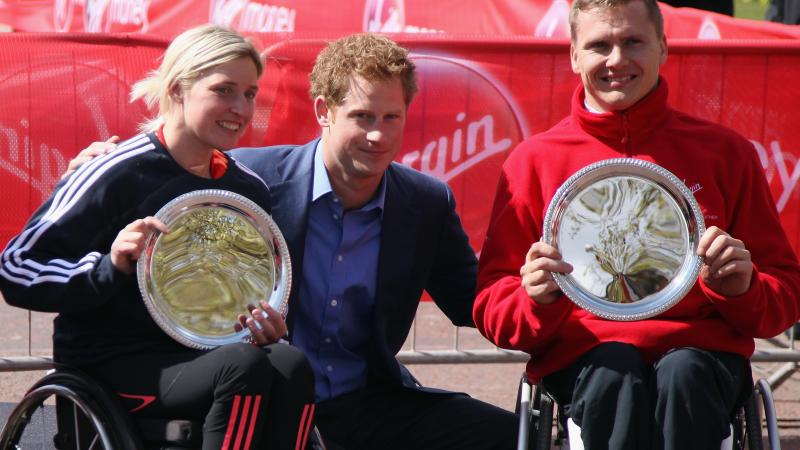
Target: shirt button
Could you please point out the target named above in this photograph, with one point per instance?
(334, 302)
(335, 200)
(335, 217)
(330, 368)
(327, 340)
(339, 258)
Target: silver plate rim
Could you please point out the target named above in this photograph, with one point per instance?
(678, 287)
(279, 299)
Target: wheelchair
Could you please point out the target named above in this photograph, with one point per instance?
(537, 411)
(88, 416)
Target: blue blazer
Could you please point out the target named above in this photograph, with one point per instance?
(423, 247)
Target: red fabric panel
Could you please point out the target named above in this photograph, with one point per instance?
(477, 99)
(58, 94)
(531, 18)
(503, 90)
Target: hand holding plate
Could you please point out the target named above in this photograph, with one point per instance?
(630, 229)
(537, 279)
(265, 324)
(128, 245)
(727, 268)
(224, 253)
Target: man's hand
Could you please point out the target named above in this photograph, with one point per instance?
(727, 268)
(537, 278)
(128, 246)
(94, 149)
(266, 325)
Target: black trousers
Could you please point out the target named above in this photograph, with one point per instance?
(248, 397)
(396, 417)
(682, 402)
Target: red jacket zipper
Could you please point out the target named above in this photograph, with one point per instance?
(626, 139)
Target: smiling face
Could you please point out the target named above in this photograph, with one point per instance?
(617, 52)
(362, 135)
(216, 109)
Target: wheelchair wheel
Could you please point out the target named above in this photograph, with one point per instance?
(763, 392)
(752, 424)
(67, 412)
(543, 425)
(315, 441)
(739, 433)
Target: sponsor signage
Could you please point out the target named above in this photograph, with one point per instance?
(539, 18)
(477, 100)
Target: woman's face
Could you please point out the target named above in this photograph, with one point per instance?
(217, 108)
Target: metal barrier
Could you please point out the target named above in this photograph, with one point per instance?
(25, 363)
(456, 354)
(450, 356)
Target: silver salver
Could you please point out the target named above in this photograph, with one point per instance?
(223, 253)
(630, 229)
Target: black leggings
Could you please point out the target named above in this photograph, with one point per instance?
(248, 397)
(683, 401)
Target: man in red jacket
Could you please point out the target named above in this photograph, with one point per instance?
(670, 381)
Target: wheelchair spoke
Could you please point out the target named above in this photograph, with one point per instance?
(42, 423)
(53, 416)
(26, 428)
(75, 428)
(67, 410)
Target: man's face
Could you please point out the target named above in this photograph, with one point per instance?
(362, 135)
(617, 53)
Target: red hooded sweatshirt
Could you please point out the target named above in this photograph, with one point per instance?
(717, 164)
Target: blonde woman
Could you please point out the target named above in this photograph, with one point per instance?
(77, 255)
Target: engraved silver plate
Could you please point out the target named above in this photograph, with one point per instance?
(630, 229)
(222, 253)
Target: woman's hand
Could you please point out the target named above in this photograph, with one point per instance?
(265, 324)
(128, 246)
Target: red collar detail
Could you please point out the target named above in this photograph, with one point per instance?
(218, 164)
(623, 130)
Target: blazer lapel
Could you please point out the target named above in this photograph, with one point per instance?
(290, 210)
(290, 202)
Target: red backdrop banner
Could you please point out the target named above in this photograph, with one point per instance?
(477, 100)
(531, 18)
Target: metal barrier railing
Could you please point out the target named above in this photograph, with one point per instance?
(450, 356)
(477, 356)
(456, 354)
(25, 363)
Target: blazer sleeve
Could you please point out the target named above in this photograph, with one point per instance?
(452, 280)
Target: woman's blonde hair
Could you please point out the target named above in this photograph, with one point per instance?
(190, 53)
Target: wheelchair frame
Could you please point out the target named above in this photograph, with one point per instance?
(536, 408)
(458, 354)
(88, 416)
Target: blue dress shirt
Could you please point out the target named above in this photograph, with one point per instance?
(332, 322)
